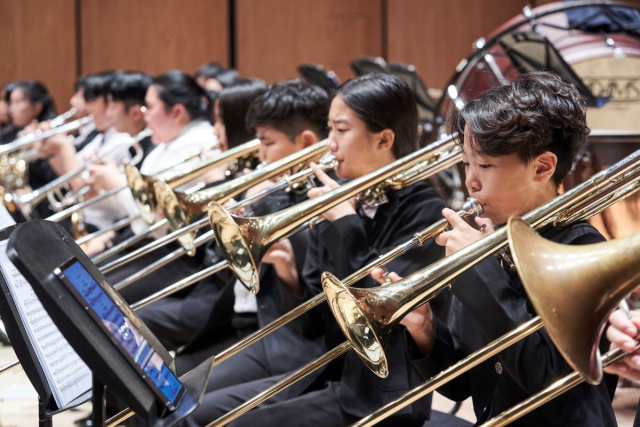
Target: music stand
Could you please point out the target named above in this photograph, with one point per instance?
(37, 248)
(22, 346)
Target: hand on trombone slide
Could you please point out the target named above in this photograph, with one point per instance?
(462, 234)
(419, 322)
(623, 333)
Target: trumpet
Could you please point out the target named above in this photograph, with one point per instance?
(368, 316)
(25, 203)
(24, 141)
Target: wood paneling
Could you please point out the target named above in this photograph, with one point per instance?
(37, 41)
(275, 36)
(153, 36)
(435, 35)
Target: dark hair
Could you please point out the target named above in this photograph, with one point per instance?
(210, 70)
(228, 78)
(534, 113)
(79, 83)
(129, 87)
(290, 107)
(36, 93)
(7, 89)
(384, 101)
(97, 85)
(177, 87)
(233, 103)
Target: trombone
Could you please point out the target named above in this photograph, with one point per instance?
(367, 316)
(198, 203)
(142, 185)
(244, 241)
(562, 268)
(288, 182)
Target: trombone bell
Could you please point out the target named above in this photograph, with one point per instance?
(230, 236)
(367, 334)
(550, 271)
(142, 192)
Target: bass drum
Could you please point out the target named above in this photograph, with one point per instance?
(586, 44)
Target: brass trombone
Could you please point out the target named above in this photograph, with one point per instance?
(596, 278)
(142, 186)
(470, 210)
(244, 241)
(367, 316)
(198, 202)
(289, 182)
(182, 209)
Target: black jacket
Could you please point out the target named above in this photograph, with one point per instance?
(211, 302)
(488, 302)
(344, 246)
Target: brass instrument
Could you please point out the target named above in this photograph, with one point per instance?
(367, 316)
(573, 289)
(288, 182)
(26, 202)
(165, 196)
(470, 210)
(182, 209)
(244, 241)
(22, 142)
(142, 186)
(14, 162)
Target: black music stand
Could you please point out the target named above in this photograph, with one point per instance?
(47, 406)
(37, 248)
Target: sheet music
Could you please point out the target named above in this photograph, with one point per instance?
(67, 374)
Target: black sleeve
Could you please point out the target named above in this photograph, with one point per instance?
(347, 241)
(498, 308)
(445, 352)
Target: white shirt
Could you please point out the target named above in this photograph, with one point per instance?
(107, 211)
(245, 301)
(194, 137)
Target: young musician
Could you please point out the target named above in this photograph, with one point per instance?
(218, 311)
(30, 104)
(126, 109)
(178, 113)
(518, 143)
(372, 122)
(230, 110)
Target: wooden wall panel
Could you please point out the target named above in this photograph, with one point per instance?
(275, 36)
(435, 35)
(153, 36)
(37, 41)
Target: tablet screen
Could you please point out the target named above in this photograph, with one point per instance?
(122, 331)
